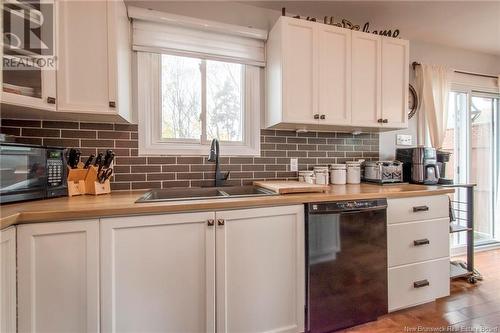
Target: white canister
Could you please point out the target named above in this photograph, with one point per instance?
(338, 174)
(307, 176)
(353, 172)
(321, 173)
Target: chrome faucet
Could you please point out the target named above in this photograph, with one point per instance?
(213, 156)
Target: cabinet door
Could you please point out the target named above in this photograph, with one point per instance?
(299, 71)
(82, 76)
(158, 273)
(395, 69)
(119, 60)
(366, 79)
(58, 276)
(260, 270)
(29, 85)
(8, 280)
(334, 75)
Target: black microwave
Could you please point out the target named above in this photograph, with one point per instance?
(29, 172)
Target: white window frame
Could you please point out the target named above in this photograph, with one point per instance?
(149, 111)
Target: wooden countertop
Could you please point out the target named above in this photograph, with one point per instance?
(123, 203)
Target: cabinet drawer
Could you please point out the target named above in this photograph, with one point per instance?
(418, 283)
(408, 243)
(417, 208)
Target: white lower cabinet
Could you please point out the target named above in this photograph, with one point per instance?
(417, 241)
(8, 280)
(179, 272)
(418, 250)
(260, 270)
(58, 276)
(158, 273)
(418, 283)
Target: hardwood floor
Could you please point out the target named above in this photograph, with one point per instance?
(469, 308)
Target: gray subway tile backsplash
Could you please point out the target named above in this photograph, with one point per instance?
(143, 172)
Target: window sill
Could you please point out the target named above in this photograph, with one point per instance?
(187, 149)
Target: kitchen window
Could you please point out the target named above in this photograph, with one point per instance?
(196, 80)
(185, 102)
(201, 100)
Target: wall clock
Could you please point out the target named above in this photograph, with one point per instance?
(412, 102)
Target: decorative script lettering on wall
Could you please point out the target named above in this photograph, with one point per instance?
(344, 23)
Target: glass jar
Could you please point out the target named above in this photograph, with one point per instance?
(321, 173)
(307, 176)
(353, 172)
(338, 174)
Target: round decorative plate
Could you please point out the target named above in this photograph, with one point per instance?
(412, 102)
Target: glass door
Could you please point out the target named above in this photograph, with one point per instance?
(484, 164)
(28, 74)
(474, 141)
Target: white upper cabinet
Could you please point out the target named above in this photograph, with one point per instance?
(329, 78)
(334, 75)
(92, 75)
(291, 72)
(299, 71)
(32, 84)
(93, 58)
(82, 76)
(366, 79)
(395, 70)
(58, 276)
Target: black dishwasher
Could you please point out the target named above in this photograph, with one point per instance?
(346, 244)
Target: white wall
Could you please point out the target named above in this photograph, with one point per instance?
(443, 55)
(222, 11)
(246, 15)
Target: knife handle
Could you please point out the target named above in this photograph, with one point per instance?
(78, 153)
(98, 159)
(89, 160)
(108, 159)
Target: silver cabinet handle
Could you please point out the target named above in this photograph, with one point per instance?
(419, 242)
(421, 283)
(420, 209)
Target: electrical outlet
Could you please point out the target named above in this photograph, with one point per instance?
(294, 164)
(403, 140)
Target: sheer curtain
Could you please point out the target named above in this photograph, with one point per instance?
(433, 83)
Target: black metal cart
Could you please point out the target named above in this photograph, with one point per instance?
(464, 211)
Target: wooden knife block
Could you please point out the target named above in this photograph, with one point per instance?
(84, 181)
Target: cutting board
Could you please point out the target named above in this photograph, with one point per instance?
(290, 186)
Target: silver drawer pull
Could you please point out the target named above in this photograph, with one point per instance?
(420, 284)
(420, 242)
(420, 209)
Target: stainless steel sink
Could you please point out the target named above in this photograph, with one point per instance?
(244, 191)
(199, 193)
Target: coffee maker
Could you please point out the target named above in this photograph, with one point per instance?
(443, 157)
(419, 165)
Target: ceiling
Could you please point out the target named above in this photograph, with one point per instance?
(471, 25)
